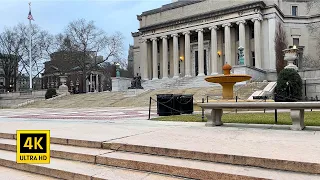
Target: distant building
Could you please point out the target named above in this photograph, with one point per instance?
(69, 64)
(23, 83)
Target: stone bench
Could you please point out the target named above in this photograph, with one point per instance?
(214, 111)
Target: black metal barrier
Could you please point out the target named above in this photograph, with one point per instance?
(173, 104)
(164, 102)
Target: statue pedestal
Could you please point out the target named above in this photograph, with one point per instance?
(120, 84)
(63, 88)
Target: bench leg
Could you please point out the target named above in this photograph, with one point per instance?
(214, 117)
(297, 116)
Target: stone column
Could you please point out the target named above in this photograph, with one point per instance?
(200, 53)
(227, 42)
(257, 41)
(175, 56)
(144, 59)
(272, 52)
(242, 37)
(154, 59)
(187, 54)
(214, 50)
(165, 57)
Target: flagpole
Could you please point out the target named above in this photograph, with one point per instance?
(30, 45)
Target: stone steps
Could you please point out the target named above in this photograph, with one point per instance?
(99, 159)
(7, 173)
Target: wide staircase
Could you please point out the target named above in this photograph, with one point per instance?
(121, 99)
(96, 160)
(177, 83)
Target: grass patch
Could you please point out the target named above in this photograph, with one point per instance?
(311, 118)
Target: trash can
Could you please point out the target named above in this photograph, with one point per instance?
(186, 104)
(176, 104)
(164, 101)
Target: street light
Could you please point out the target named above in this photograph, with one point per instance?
(117, 69)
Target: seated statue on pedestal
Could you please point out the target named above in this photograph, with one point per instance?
(136, 83)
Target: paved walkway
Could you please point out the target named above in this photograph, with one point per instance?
(267, 141)
(87, 114)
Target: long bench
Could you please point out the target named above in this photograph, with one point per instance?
(214, 111)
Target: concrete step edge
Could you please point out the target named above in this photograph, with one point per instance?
(277, 164)
(42, 170)
(69, 174)
(151, 167)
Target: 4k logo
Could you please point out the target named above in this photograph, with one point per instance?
(33, 146)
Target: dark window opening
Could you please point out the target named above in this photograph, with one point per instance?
(294, 10)
(196, 63)
(158, 70)
(252, 32)
(253, 59)
(205, 62)
(296, 42)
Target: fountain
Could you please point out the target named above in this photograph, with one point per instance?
(227, 81)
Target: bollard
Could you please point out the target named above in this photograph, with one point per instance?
(207, 99)
(149, 107)
(202, 110)
(276, 116)
(236, 101)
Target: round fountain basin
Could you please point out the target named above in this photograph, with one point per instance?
(232, 78)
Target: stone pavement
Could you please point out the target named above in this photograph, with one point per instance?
(267, 141)
(87, 114)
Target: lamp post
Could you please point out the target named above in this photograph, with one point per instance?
(117, 69)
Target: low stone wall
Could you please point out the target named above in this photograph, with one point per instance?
(309, 73)
(313, 87)
(255, 73)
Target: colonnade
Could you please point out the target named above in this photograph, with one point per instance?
(213, 51)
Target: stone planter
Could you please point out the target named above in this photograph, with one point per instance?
(290, 56)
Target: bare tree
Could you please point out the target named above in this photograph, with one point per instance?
(11, 45)
(312, 4)
(281, 43)
(41, 48)
(85, 37)
(309, 62)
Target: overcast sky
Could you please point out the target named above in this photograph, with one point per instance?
(54, 15)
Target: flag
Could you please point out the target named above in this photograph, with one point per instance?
(30, 15)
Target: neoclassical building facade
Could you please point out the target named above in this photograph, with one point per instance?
(195, 38)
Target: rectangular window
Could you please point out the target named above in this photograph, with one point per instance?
(294, 10)
(296, 42)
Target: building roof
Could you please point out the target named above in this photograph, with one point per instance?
(222, 11)
(172, 5)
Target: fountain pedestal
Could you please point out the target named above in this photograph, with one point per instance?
(227, 90)
(227, 81)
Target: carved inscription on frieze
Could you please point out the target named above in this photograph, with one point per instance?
(194, 22)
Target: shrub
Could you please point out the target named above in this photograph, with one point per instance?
(50, 93)
(289, 86)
